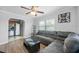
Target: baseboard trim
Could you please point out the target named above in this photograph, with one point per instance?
(7, 42)
(4, 43)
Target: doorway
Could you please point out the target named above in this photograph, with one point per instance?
(15, 29)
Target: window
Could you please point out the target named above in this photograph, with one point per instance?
(50, 25)
(42, 25)
(47, 25)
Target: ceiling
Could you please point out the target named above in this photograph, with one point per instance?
(21, 11)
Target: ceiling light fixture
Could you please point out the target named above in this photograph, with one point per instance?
(33, 13)
(33, 10)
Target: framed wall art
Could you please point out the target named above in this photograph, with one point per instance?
(64, 18)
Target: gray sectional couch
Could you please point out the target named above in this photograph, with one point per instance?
(46, 37)
(55, 41)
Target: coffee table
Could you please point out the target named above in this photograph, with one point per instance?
(32, 45)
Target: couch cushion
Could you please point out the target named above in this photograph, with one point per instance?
(72, 35)
(41, 33)
(45, 40)
(71, 44)
(46, 33)
(55, 47)
(51, 32)
(63, 34)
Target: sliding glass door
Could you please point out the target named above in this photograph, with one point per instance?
(15, 27)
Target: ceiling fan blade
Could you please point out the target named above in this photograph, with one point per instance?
(25, 8)
(27, 13)
(40, 12)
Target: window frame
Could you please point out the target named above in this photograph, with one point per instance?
(45, 21)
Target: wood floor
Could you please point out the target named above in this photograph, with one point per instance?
(16, 46)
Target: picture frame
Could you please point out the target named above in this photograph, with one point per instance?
(64, 18)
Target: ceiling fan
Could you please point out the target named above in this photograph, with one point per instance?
(33, 10)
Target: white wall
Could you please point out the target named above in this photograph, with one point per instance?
(4, 17)
(62, 26)
(77, 22)
(67, 26)
(3, 29)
